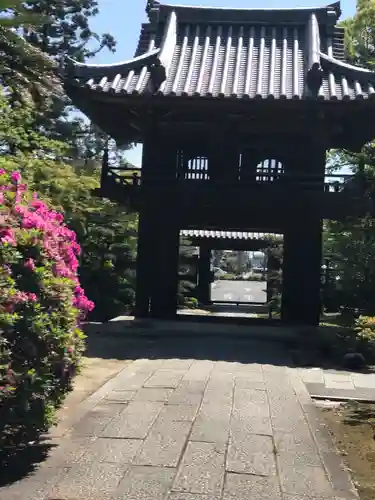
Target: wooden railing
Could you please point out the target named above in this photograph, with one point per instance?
(334, 183)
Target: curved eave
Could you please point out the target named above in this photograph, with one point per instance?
(79, 70)
(332, 6)
(193, 13)
(353, 72)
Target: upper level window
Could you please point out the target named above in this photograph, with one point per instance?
(197, 168)
(269, 170)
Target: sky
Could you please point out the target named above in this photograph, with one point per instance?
(123, 19)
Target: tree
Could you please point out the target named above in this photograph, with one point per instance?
(106, 232)
(360, 34)
(67, 33)
(350, 245)
(23, 68)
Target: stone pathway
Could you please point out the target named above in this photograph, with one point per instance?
(339, 385)
(193, 429)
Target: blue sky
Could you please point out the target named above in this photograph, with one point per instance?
(123, 19)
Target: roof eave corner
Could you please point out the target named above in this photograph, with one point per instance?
(152, 10)
(336, 7)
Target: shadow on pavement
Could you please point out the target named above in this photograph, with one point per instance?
(21, 462)
(215, 349)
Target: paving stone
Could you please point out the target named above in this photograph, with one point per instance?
(153, 394)
(129, 380)
(357, 394)
(301, 479)
(145, 483)
(89, 479)
(312, 375)
(337, 473)
(212, 421)
(246, 487)
(201, 470)
(364, 381)
(121, 451)
(310, 497)
(95, 421)
(251, 454)
(68, 450)
(337, 377)
(250, 412)
(296, 449)
(190, 496)
(179, 412)
(145, 365)
(165, 378)
(188, 392)
(164, 444)
(346, 385)
(121, 396)
(256, 383)
(199, 371)
(177, 364)
(134, 422)
(286, 413)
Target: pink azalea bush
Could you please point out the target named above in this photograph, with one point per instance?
(41, 307)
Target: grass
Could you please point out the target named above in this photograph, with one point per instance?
(353, 426)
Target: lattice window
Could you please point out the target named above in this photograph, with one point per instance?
(197, 168)
(269, 170)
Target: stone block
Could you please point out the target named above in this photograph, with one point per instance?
(164, 444)
(145, 483)
(251, 454)
(201, 470)
(85, 480)
(165, 378)
(299, 479)
(246, 487)
(95, 421)
(120, 396)
(134, 422)
(153, 394)
(179, 412)
(120, 451)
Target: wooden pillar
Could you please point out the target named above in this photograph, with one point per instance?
(148, 221)
(302, 257)
(164, 295)
(145, 265)
(204, 274)
(273, 269)
(165, 246)
(301, 296)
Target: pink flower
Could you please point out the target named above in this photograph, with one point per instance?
(16, 177)
(2, 171)
(30, 264)
(7, 237)
(32, 297)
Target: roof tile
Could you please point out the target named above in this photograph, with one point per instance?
(252, 60)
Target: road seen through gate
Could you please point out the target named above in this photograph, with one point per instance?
(239, 291)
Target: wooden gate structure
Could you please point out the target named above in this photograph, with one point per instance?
(235, 109)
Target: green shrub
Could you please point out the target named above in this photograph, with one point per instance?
(41, 306)
(365, 335)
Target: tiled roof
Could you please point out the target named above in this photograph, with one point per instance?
(237, 53)
(229, 235)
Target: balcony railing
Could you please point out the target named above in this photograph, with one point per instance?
(333, 183)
